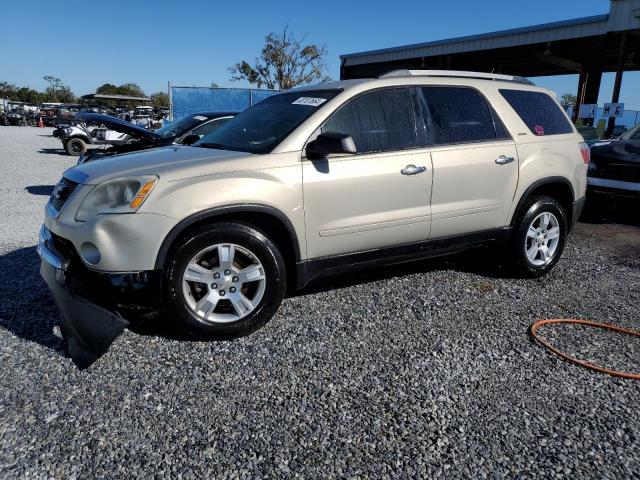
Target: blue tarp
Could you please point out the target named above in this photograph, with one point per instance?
(186, 100)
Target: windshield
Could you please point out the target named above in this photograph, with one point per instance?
(631, 134)
(180, 126)
(262, 127)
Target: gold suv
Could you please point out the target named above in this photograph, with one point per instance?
(310, 182)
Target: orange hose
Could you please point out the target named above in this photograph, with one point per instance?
(569, 358)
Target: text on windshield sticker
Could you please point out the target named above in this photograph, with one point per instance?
(310, 101)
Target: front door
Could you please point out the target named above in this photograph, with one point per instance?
(378, 197)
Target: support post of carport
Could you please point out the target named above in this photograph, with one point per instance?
(588, 89)
(617, 84)
(582, 80)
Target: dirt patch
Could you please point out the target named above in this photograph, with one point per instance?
(613, 224)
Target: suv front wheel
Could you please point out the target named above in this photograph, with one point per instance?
(225, 280)
(539, 237)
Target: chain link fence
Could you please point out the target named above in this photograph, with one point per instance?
(186, 100)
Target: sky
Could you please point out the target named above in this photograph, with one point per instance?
(151, 43)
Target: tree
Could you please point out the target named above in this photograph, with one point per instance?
(107, 89)
(55, 82)
(19, 94)
(26, 94)
(568, 100)
(131, 89)
(283, 64)
(57, 91)
(214, 85)
(159, 99)
(7, 90)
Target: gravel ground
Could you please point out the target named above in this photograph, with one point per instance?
(423, 371)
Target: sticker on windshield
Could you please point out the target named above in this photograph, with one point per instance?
(310, 101)
(199, 117)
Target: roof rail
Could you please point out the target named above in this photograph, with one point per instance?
(456, 74)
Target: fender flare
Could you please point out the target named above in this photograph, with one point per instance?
(212, 213)
(538, 184)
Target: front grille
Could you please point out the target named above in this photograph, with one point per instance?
(61, 194)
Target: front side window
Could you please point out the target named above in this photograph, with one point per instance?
(540, 113)
(377, 121)
(460, 115)
(264, 126)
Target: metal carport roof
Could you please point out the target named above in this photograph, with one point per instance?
(546, 49)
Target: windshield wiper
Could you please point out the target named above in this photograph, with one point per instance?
(217, 146)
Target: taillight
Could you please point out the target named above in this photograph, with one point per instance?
(586, 152)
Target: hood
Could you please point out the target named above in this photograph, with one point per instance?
(619, 151)
(170, 163)
(118, 125)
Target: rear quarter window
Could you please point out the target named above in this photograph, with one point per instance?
(538, 111)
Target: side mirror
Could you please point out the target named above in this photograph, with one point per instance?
(190, 139)
(329, 142)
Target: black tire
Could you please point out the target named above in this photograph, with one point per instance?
(518, 260)
(242, 235)
(75, 147)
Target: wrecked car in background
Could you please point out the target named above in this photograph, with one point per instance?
(184, 131)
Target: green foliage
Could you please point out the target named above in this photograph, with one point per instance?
(107, 89)
(131, 89)
(55, 82)
(568, 100)
(55, 92)
(284, 63)
(159, 99)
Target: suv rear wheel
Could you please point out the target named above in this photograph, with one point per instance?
(225, 280)
(539, 238)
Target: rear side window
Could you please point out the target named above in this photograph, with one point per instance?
(538, 111)
(460, 115)
(377, 121)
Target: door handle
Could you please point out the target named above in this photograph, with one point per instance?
(412, 170)
(503, 160)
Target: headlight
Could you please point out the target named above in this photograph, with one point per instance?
(68, 130)
(123, 195)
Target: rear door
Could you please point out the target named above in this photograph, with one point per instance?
(374, 198)
(475, 162)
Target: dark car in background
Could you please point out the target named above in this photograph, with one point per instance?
(615, 166)
(184, 131)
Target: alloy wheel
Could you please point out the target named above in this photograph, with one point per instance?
(223, 283)
(542, 239)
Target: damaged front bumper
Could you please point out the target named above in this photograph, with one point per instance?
(91, 303)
